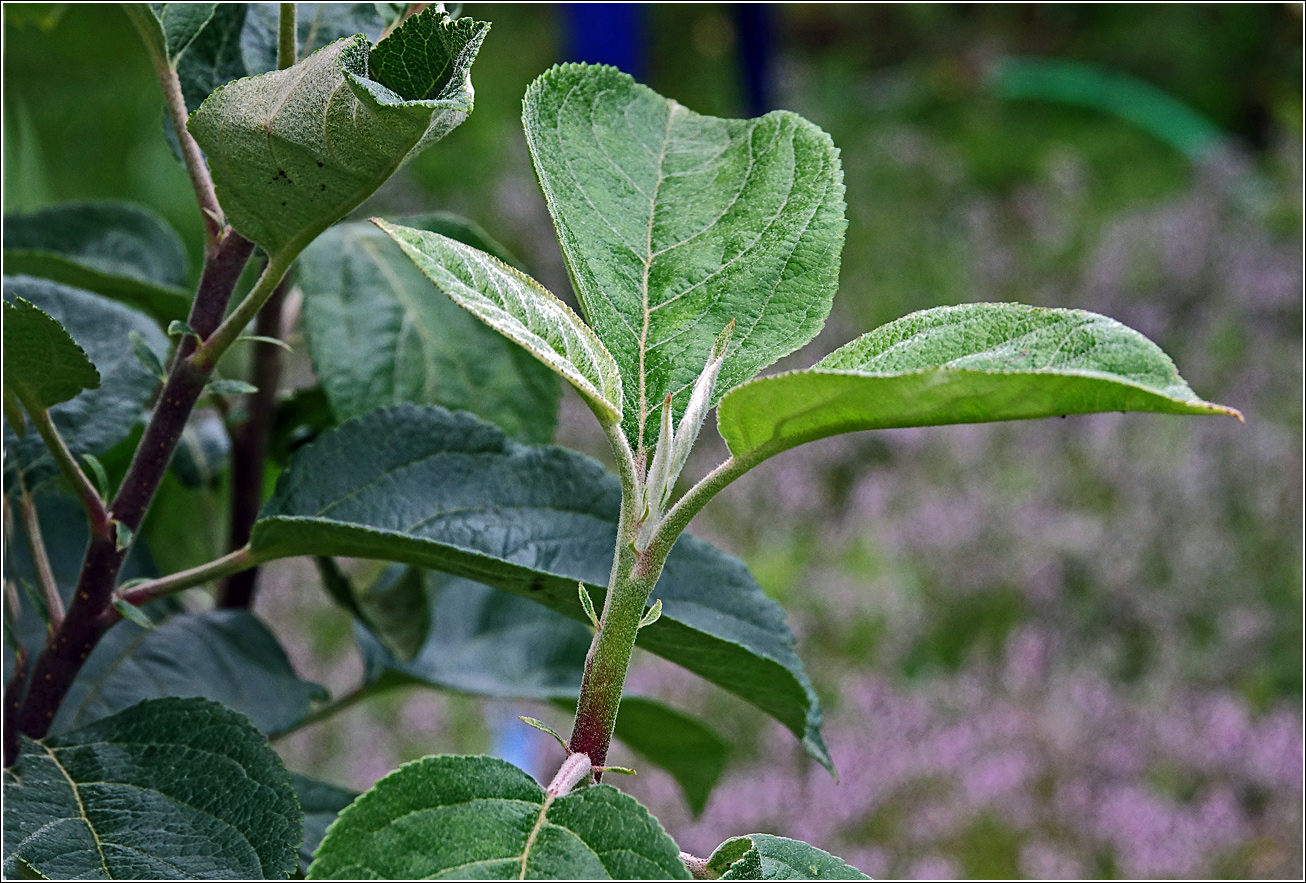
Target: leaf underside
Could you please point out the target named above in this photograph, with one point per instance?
(483, 818)
(673, 224)
(445, 491)
(380, 334)
(168, 789)
(965, 364)
(293, 151)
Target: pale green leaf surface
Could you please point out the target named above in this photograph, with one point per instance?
(479, 817)
(381, 334)
(519, 308)
(321, 802)
(966, 364)
(96, 419)
(42, 362)
(767, 857)
(169, 28)
(445, 491)
(117, 249)
(293, 151)
(168, 789)
(673, 224)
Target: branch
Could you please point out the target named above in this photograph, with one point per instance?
(40, 559)
(233, 562)
(286, 38)
(175, 103)
(249, 443)
(208, 353)
(67, 463)
(335, 706)
(90, 614)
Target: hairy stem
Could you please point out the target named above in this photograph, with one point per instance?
(90, 612)
(214, 345)
(249, 446)
(36, 549)
(175, 104)
(67, 463)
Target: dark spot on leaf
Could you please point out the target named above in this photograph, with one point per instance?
(283, 203)
(536, 584)
(323, 188)
(319, 165)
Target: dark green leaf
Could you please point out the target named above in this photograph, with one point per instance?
(203, 453)
(317, 25)
(215, 57)
(97, 419)
(434, 489)
(766, 857)
(42, 362)
(380, 334)
(673, 224)
(321, 803)
(116, 249)
(168, 789)
(966, 364)
(394, 608)
(228, 656)
(338, 132)
(480, 817)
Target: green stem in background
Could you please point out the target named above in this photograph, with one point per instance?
(335, 706)
(36, 549)
(175, 104)
(287, 49)
(67, 463)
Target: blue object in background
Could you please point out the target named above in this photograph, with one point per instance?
(755, 23)
(606, 33)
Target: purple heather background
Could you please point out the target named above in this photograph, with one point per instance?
(1052, 649)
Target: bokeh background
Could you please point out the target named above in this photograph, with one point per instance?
(1052, 649)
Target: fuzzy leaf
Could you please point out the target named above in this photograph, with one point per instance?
(380, 334)
(445, 491)
(293, 151)
(168, 789)
(673, 224)
(966, 364)
(481, 817)
(42, 362)
(767, 857)
(116, 249)
(521, 309)
(99, 418)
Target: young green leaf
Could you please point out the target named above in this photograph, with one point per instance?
(117, 249)
(966, 364)
(43, 365)
(441, 490)
(148, 357)
(520, 309)
(168, 789)
(341, 122)
(767, 857)
(101, 477)
(653, 615)
(169, 28)
(544, 728)
(229, 388)
(380, 335)
(673, 224)
(483, 817)
(587, 604)
(98, 418)
(133, 613)
(122, 536)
